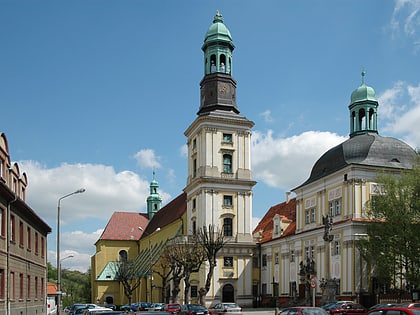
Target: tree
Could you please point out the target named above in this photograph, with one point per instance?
(190, 254)
(164, 271)
(213, 241)
(126, 273)
(392, 245)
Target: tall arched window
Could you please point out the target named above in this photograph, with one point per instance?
(227, 227)
(227, 163)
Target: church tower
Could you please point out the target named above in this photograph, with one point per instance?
(219, 183)
(154, 200)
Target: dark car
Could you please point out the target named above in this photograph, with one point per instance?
(395, 310)
(348, 309)
(172, 308)
(193, 309)
(303, 310)
(334, 304)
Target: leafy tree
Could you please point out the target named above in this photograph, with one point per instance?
(126, 273)
(213, 241)
(392, 246)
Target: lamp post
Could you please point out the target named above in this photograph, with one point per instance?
(61, 260)
(149, 248)
(81, 190)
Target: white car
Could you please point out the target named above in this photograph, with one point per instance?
(226, 308)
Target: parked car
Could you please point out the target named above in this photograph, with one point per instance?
(395, 310)
(156, 307)
(334, 304)
(140, 306)
(303, 310)
(380, 305)
(223, 308)
(409, 305)
(172, 308)
(96, 310)
(193, 309)
(348, 309)
(75, 307)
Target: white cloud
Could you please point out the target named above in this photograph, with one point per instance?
(403, 123)
(267, 116)
(388, 100)
(106, 191)
(82, 248)
(286, 162)
(406, 20)
(147, 159)
(183, 151)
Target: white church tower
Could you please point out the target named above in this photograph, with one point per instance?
(219, 183)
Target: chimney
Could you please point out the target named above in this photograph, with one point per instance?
(288, 196)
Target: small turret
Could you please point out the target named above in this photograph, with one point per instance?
(154, 201)
(363, 110)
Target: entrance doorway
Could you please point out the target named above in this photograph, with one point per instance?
(228, 293)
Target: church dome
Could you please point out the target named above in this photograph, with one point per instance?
(217, 32)
(368, 149)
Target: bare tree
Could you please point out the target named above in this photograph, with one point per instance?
(126, 273)
(212, 241)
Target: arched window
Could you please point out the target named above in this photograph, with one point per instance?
(123, 255)
(227, 227)
(227, 163)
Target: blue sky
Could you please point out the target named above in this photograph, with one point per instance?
(97, 94)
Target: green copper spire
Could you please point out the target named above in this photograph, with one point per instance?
(218, 47)
(363, 109)
(154, 201)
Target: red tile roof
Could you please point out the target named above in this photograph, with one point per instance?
(124, 226)
(286, 210)
(171, 212)
(51, 288)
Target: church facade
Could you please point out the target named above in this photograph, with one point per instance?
(218, 193)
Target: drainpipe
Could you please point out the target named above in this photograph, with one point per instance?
(8, 238)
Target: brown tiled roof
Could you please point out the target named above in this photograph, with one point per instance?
(124, 226)
(51, 288)
(287, 210)
(171, 212)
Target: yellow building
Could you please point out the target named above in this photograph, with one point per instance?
(218, 193)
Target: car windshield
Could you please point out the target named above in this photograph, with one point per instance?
(231, 305)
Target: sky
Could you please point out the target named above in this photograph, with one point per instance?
(97, 94)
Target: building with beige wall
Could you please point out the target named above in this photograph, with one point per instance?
(338, 189)
(23, 244)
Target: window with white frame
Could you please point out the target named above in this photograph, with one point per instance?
(335, 207)
(227, 138)
(227, 201)
(310, 215)
(227, 163)
(276, 258)
(337, 248)
(292, 256)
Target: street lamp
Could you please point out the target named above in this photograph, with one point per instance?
(67, 257)
(81, 190)
(150, 260)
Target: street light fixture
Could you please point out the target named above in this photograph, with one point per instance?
(81, 190)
